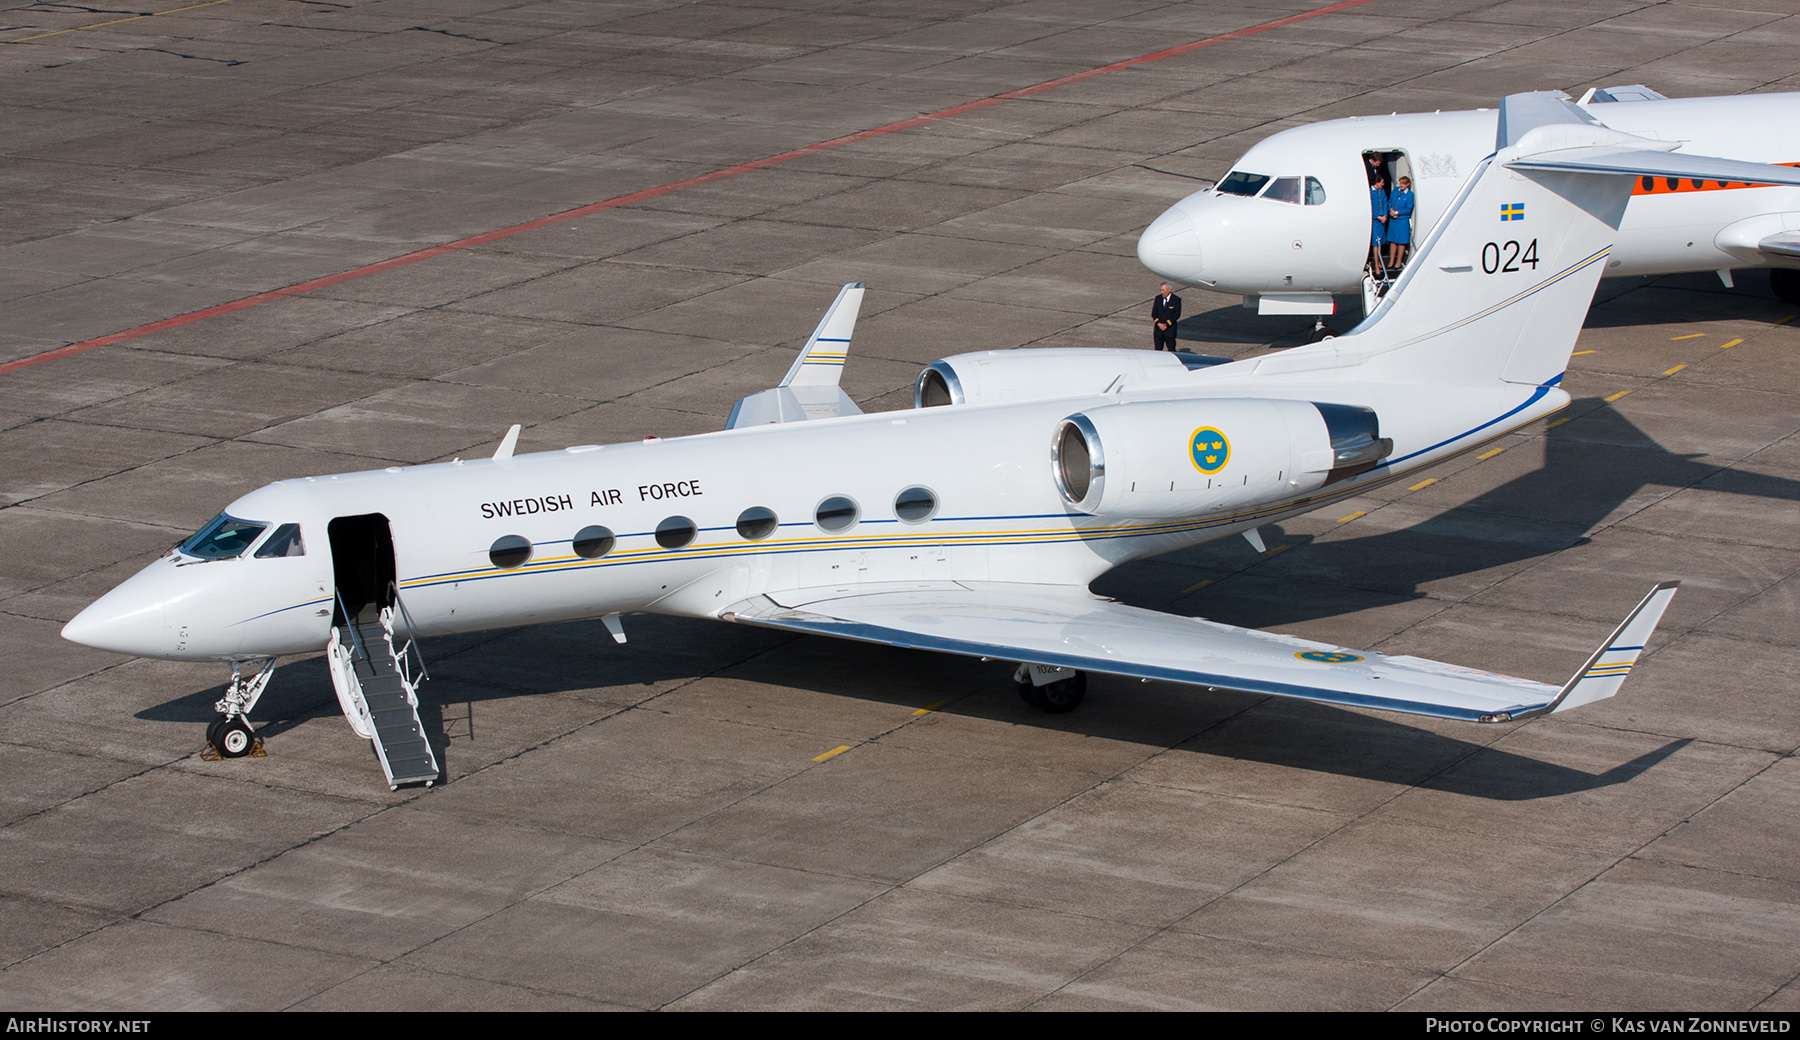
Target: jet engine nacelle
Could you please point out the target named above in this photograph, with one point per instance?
(1046, 373)
(1166, 459)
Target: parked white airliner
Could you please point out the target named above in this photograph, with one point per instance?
(1290, 224)
(972, 524)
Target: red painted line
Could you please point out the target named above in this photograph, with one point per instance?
(649, 193)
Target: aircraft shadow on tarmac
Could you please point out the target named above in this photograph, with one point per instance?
(1618, 303)
(1592, 466)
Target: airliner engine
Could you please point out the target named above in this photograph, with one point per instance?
(1151, 460)
(1045, 373)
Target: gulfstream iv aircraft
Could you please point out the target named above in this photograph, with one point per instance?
(971, 524)
(1290, 224)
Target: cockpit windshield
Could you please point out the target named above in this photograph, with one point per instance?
(1237, 182)
(222, 538)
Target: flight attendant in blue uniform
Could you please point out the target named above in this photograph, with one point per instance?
(1378, 206)
(1399, 225)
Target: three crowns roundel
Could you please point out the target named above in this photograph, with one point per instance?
(1209, 449)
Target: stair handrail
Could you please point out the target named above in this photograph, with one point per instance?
(350, 623)
(409, 653)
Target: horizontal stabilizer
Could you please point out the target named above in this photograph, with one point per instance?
(810, 388)
(1069, 627)
(1655, 163)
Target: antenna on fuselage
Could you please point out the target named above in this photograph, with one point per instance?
(508, 443)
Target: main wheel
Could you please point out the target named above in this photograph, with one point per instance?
(212, 731)
(1058, 697)
(1786, 283)
(234, 738)
(1320, 334)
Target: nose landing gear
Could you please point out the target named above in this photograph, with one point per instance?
(230, 734)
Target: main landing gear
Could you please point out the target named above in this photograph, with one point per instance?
(230, 734)
(1049, 688)
(1786, 283)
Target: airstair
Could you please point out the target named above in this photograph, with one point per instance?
(377, 685)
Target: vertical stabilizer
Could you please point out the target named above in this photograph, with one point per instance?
(1499, 289)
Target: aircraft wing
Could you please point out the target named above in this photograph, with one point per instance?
(1072, 628)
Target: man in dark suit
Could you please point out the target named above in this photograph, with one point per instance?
(1165, 312)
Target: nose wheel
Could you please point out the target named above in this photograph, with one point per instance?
(231, 736)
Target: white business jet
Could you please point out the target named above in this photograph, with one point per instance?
(1290, 224)
(972, 524)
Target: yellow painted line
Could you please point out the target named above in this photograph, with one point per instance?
(1488, 454)
(1578, 353)
(926, 710)
(833, 753)
(1728, 346)
(1554, 423)
(1352, 516)
(1691, 335)
(1427, 482)
(118, 21)
(1616, 396)
(1196, 586)
(1278, 549)
(1674, 370)
(1784, 321)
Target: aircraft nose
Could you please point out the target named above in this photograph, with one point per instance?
(128, 620)
(1170, 246)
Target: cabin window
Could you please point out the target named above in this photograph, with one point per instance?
(1237, 182)
(509, 550)
(837, 513)
(915, 505)
(591, 543)
(222, 538)
(1285, 189)
(676, 532)
(757, 522)
(284, 542)
(1315, 192)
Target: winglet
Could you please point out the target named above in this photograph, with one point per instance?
(822, 362)
(1606, 669)
(810, 388)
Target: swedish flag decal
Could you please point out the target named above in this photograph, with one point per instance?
(1512, 211)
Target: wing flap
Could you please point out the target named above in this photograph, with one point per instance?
(1072, 628)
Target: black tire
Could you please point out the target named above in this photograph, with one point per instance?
(235, 738)
(212, 731)
(1786, 283)
(1323, 332)
(1057, 698)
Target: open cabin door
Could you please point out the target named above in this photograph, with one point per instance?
(362, 564)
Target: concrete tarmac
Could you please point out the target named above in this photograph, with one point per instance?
(650, 825)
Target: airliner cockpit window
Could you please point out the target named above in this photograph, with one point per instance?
(222, 538)
(1315, 192)
(1237, 182)
(1285, 189)
(284, 542)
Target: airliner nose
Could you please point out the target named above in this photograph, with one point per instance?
(128, 620)
(1171, 247)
